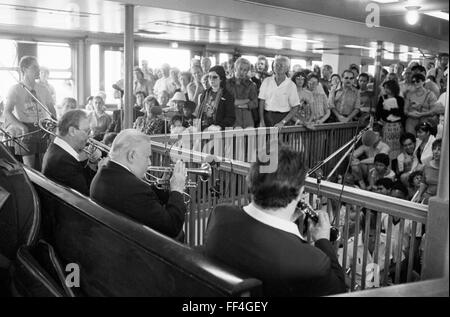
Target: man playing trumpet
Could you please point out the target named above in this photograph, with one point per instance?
(120, 185)
(65, 161)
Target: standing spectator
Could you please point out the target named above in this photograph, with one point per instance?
(325, 80)
(43, 80)
(185, 78)
(420, 105)
(319, 109)
(278, 96)
(22, 113)
(195, 87)
(261, 73)
(205, 63)
(345, 102)
(441, 71)
(429, 84)
(216, 109)
(406, 85)
(165, 82)
(336, 83)
(244, 93)
(205, 82)
(390, 112)
(304, 112)
(141, 84)
(366, 97)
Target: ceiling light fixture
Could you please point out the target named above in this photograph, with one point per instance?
(361, 47)
(385, 1)
(438, 14)
(412, 16)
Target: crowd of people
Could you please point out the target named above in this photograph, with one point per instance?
(399, 156)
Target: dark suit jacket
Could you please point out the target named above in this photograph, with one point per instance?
(285, 264)
(61, 167)
(118, 189)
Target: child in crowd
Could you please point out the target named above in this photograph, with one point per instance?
(176, 124)
(188, 114)
(380, 170)
(414, 180)
(405, 160)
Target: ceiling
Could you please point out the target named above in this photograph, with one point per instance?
(308, 26)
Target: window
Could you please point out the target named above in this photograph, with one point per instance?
(113, 73)
(179, 58)
(251, 58)
(8, 66)
(300, 62)
(223, 57)
(57, 57)
(95, 69)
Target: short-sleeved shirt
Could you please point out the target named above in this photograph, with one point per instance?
(279, 98)
(101, 123)
(423, 103)
(26, 109)
(370, 151)
(320, 104)
(345, 100)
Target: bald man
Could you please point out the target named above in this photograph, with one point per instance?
(119, 185)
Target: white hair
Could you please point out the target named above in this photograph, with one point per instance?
(127, 140)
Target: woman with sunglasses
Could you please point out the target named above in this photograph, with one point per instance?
(216, 109)
(420, 104)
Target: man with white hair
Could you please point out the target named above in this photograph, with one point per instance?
(278, 96)
(119, 185)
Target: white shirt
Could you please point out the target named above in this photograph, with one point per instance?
(272, 221)
(279, 98)
(66, 147)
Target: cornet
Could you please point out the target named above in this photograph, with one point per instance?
(204, 171)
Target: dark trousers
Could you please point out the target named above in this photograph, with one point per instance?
(273, 117)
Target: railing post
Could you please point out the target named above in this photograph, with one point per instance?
(435, 262)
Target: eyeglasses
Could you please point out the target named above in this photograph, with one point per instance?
(213, 77)
(415, 81)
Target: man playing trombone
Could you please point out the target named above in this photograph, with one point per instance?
(65, 161)
(30, 102)
(120, 185)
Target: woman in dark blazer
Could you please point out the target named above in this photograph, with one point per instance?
(216, 109)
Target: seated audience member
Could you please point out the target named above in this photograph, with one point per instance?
(414, 181)
(68, 103)
(344, 102)
(423, 151)
(138, 108)
(150, 123)
(119, 185)
(89, 104)
(176, 124)
(163, 98)
(383, 186)
(65, 162)
(406, 159)
(99, 119)
(263, 241)
(430, 179)
(381, 170)
(176, 104)
(371, 146)
(188, 114)
(141, 84)
(205, 83)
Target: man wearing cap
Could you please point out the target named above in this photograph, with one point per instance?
(371, 146)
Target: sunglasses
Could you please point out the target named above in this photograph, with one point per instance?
(213, 77)
(415, 81)
(351, 78)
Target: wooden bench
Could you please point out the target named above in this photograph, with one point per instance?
(120, 257)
